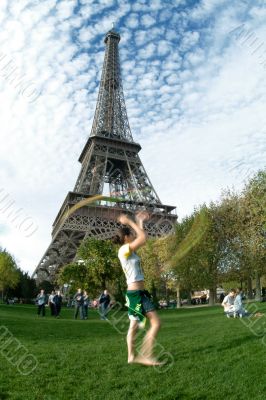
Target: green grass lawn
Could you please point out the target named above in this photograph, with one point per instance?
(213, 357)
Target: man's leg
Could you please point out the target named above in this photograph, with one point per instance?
(146, 357)
(101, 311)
(86, 311)
(81, 312)
(131, 336)
(105, 311)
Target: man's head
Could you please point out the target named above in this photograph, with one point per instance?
(123, 235)
(105, 291)
(232, 292)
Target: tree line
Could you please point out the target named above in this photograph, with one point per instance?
(217, 245)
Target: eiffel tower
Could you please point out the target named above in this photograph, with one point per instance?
(109, 162)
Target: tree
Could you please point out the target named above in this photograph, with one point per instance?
(192, 263)
(9, 275)
(253, 233)
(25, 288)
(97, 266)
(151, 267)
(243, 218)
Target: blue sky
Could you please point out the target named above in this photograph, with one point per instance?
(194, 77)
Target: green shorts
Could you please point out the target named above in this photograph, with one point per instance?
(139, 304)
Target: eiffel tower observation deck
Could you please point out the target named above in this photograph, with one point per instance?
(110, 165)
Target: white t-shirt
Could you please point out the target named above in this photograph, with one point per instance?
(51, 298)
(130, 263)
(228, 301)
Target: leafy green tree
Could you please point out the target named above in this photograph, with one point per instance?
(25, 288)
(242, 220)
(152, 268)
(47, 286)
(191, 249)
(253, 233)
(96, 268)
(9, 275)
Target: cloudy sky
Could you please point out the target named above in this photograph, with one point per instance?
(194, 75)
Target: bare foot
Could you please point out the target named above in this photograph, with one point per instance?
(131, 360)
(147, 361)
(258, 314)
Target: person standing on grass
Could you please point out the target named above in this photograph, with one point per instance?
(138, 300)
(57, 303)
(41, 300)
(51, 303)
(79, 304)
(104, 302)
(86, 304)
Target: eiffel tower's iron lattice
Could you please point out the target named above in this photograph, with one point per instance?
(109, 162)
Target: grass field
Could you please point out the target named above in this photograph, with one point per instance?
(213, 357)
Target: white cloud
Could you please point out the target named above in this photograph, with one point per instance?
(189, 39)
(147, 51)
(147, 20)
(132, 21)
(258, 12)
(141, 37)
(163, 47)
(156, 5)
(165, 15)
(206, 8)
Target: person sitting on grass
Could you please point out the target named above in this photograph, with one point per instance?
(138, 300)
(237, 310)
(228, 303)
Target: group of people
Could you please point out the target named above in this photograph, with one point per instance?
(81, 300)
(233, 305)
(54, 302)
